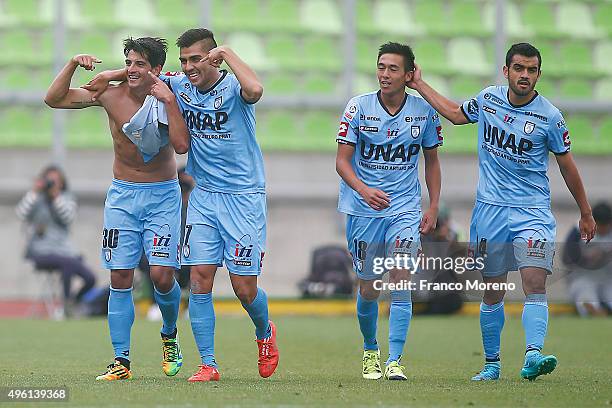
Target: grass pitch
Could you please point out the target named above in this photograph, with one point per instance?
(320, 365)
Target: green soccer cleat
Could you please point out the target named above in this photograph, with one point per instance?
(394, 371)
(537, 364)
(172, 359)
(371, 365)
(490, 372)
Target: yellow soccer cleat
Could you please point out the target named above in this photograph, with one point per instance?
(115, 371)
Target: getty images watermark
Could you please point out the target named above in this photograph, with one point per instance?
(423, 263)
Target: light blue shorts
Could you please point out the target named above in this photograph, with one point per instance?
(512, 238)
(226, 228)
(372, 239)
(141, 215)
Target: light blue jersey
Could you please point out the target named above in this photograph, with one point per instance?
(513, 146)
(387, 151)
(224, 156)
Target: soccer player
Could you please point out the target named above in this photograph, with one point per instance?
(226, 216)
(381, 134)
(512, 223)
(143, 204)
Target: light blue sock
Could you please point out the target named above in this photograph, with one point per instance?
(169, 307)
(399, 321)
(258, 311)
(535, 321)
(491, 324)
(367, 314)
(120, 320)
(202, 317)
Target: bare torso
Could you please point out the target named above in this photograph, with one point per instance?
(129, 165)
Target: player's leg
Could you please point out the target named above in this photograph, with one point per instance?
(367, 315)
(202, 317)
(489, 241)
(534, 248)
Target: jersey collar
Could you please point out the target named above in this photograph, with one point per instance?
(223, 75)
(523, 105)
(380, 101)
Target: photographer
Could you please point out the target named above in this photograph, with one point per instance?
(48, 210)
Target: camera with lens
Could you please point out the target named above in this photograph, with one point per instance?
(48, 184)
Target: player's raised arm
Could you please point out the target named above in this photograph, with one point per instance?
(572, 178)
(251, 88)
(100, 81)
(377, 199)
(451, 110)
(60, 95)
(177, 129)
(433, 179)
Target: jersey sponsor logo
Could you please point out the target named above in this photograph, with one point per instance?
(243, 251)
(415, 131)
(537, 116)
(536, 245)
(217, 91)
(494, 99)
(203, 121)
(409, 119)
(161, 240)
(173, 73)
(185, 97)
(388, 152)
(367, 117)
(561, 124)
(218, 102)
(472, 107)
(350, 112)
(508, 118)
(490, 110)
(393, 131)
(439, 132)
(368, 128)
(506, 141)
(435, 117)
(566, 139)
(529, 127)
(160, 254)
(402, 245)
(343, 129)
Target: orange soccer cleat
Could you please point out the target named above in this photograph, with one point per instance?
(268, 354)
(205, 373)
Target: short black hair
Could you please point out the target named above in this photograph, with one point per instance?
(193, 35)
(524, 49)
(152, 48)
(602, 213)
(399, 49)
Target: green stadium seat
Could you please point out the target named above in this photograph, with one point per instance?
(431, 56)
(16, 79)
(365, 83)
(603, 90)
(321, 52)
(432, 15)
(94, 43)
(320, 129)
(603, 57)
(547, 87)
(459, 139)
(284, 53)
(539, 18)
(582, 134)
(605, 135)
(439, 84)
(468, 55)
(250, 48)
(403, 22)
(99, 14)
(576, 89)
(366, 56)
(177, 13)
(574, 19)
(550, 59)
(26, 127)
(26, 13)
(87, 128)
(281, 84)
(279, 131)
(321, 16)
(576, 59)
(245, 15)
(512, 20)
(466, 19)
(71, 14)
(466, 87)
(603, 18)
(136, 13)
(283, 16)
(13, 43)
(363, 15)
(320, 84)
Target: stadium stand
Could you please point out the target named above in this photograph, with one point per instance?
(296, 46)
